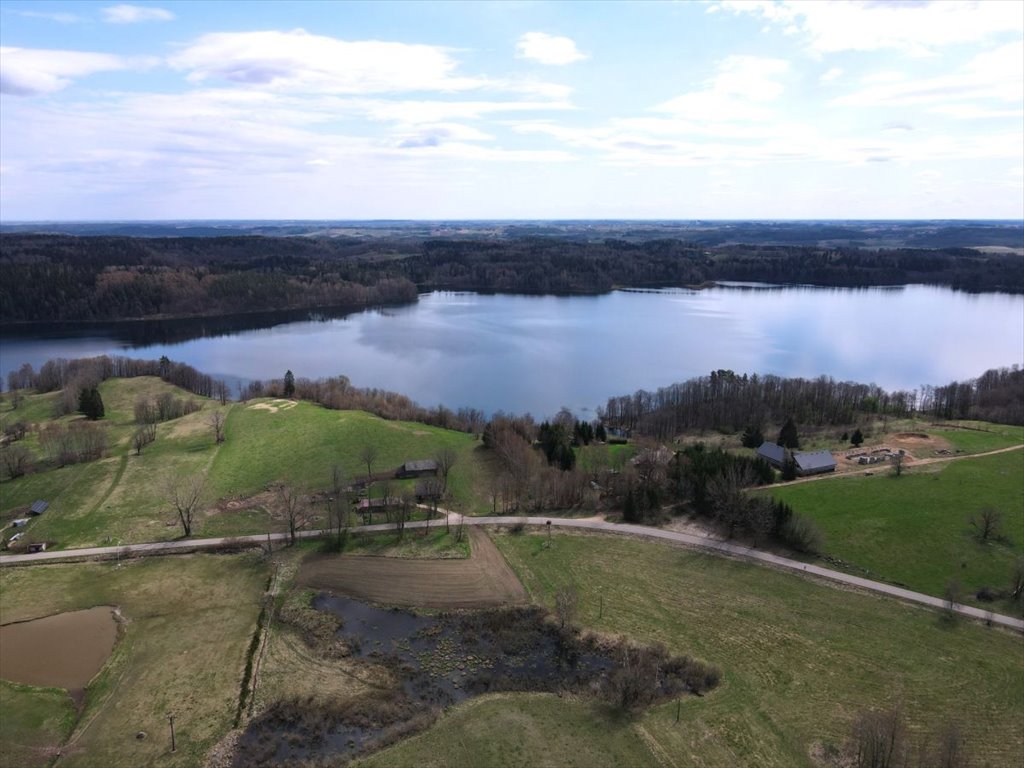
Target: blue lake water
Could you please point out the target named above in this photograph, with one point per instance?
(538, 353)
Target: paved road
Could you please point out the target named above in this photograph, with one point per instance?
(686, 539)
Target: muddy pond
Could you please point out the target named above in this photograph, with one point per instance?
(437, 661)
(65, 650)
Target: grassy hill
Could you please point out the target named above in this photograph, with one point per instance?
(122, 499)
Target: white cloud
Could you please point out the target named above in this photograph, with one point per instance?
(994, 78)
(59, 17)
(134, 14)
(548, 49)
(916, 28)
(298, 61)
(739, 90)
(32, 71)
(830, 75)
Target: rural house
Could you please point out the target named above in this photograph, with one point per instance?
(772, 453)
(420, 468)
(814, 463)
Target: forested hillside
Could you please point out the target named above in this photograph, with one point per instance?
(60, 277)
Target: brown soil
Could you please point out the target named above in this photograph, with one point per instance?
(482, 580)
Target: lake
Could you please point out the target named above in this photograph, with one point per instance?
(538, 353)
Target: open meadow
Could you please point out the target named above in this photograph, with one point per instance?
(915, 529)
(186, 624)
(800, 660)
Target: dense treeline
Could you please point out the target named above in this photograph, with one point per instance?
(730, 402)
(59, 277)
(74, 376)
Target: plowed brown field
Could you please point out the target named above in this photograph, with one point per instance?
(482, 580)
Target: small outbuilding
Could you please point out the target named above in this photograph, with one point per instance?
(39, 507)
(19, 522)
(420, 468)
(772, 453)
(814, 462)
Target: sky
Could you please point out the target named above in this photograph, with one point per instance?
(511, 110)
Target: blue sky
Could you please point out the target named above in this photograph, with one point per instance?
(511, 110)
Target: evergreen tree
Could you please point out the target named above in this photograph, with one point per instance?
(600, 435)
(90, 403)
(788, 436)
(289, 383)
(789, 467)
(752, 437)
(857, 438)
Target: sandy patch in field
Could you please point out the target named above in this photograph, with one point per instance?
(416, 432)
(274, 406)
(482, 580)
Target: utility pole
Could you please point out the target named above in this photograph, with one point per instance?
(549, 534)
(170, 719)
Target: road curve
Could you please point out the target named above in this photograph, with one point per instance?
(685, 539)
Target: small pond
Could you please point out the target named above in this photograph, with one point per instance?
(62, 651)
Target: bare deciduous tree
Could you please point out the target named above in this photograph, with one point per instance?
(634, 681)
(216, 422)
(879, 740)
(185, 495)
(143, 436)
(368, 455)
(897, 460)
(16, 460)
(403, 513)
(337, 479)
(338, 518)
(431, 491)
(1017, 579)
(295, 509)
(988, 522)
(567, 601)
(446, 458)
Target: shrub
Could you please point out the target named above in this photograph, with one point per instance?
(803, 535)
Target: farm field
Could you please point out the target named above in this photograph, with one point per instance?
(187, 624)
(914, 530)
(799, 659)
(481, 580)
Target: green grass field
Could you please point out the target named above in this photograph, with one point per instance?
(182, 650)
(799, 659)
(34, 722)
(914, 529)
(121, 499)
(526, 730)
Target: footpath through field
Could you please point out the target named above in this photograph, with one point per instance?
(699, 542)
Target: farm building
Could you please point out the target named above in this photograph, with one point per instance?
(420, 468)
(814, 463)
(772, 453)
(39, 507)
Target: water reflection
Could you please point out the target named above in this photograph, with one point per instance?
(538, 353)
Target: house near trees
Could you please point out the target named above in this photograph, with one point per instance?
(813, 462)
(420, 468)
(773, 453)
(807, 462)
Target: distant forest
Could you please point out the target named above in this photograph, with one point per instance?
(73, 278)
